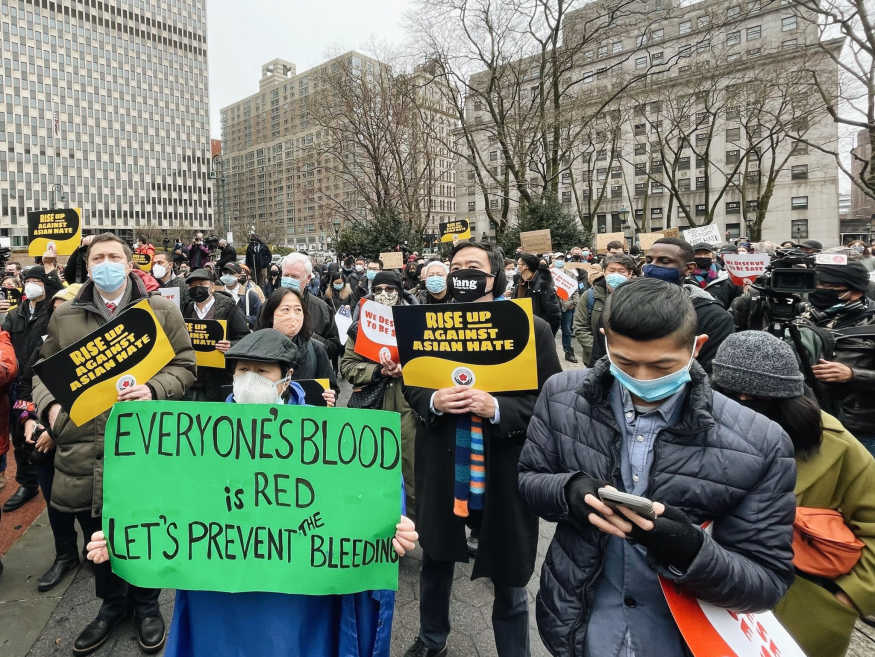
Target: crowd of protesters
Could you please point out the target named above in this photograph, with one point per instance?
(689, 390)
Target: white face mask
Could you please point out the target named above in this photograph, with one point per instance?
(159, 271)
(33, 290)
(253, 388)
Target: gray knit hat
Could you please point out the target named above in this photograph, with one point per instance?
(758, 364)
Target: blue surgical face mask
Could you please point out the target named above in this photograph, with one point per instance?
(109, 276)
(651, 390)
(229, 280)
(291, 283)
(615, 280)
(668, 274)
(435, 284)
(371, 274)
(338, 286)
(559, 264)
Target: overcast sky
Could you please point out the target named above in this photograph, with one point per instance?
(244, 35)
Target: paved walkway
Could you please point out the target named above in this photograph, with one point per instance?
(43, 625)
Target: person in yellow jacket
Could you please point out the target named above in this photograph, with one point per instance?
(834, 471)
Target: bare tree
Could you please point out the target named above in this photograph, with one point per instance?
(848, 23)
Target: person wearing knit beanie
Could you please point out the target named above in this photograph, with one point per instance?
(852, 275)
(387, 277)
(758, 364)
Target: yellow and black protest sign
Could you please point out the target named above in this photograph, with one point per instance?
(313, 389)
(63, 227)
(204, 334)
(455, 230)
(86, 377)
(489, 346)
(143, 261)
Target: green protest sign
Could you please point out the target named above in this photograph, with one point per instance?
(252, 497)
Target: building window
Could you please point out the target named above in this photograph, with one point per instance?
(733, 231)
(657, 57)
(703, 21)
(752, 206)
(732, 157)
(493, 156)
(616, 191)
(656, 187)
(799, 172)
(640, 188)
(656, 213)
(601, 155)
(733, 134)
(684, 162)
(656, 165)
(566, 198)
(601, 174)
(656, 35)
(701, 182)
(685, 27)
(640, 129)
(617, 171)
(733, 38)
(701, 209)
(754, 33)
(799, 229)
(566, 176)
(493, 204)
(684, 185)
(733, 207)
(640, 149)
(701, 138)
(789, 44)
(700, 162)
(641, 168)
(472, 205)
(754, 52)
(788, 24)
(799, 202)
(616, 47)
(733, 12)
(800, 148)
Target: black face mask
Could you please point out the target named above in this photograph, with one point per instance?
(703, 263)
(199, 293)
(825, 299)
(466, 285)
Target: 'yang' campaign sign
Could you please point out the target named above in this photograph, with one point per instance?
(252, 497)
(489, 346)
(204, 334)
(455, 230)
(313, 389)
(86, 377)
(142, 261)
(376, 331)
(63, 227)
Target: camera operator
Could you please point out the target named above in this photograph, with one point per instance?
(840, 305)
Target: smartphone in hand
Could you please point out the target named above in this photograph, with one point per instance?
(640, 505)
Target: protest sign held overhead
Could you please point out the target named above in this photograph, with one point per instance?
(709, 234)
(376, 331)
(489, 346)
(204, 334)
(86, 377)
(313, 389)
(343, 320)
(252, 497)
(745, 268)
(603, 239)
(455, 230)
(566, 284)
(646, 240)
(63, 227)
(536, 241)
(392, 259)
(143, 261)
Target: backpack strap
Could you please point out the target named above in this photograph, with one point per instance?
(590, 300)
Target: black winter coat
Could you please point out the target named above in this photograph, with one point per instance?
(229, 254)
(76, 271)
(209, 379)
(314, 363)
(720, 462)
(854, 335)
(322, 321)
(713, 320)
(545, 302)
(509, 530)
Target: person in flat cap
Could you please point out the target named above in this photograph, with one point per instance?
(261, 623)
(706, 270)
(840, 304)
(811, 247)
(833, 471)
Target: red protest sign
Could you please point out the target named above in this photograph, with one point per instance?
(376, 332)
(711, 631)
(566, 285)
(745, 268)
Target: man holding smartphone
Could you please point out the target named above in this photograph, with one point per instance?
(644, 420)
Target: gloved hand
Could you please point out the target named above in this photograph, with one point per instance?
(673, 541)
(577, 488)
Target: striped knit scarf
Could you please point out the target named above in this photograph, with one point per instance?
(470, 471)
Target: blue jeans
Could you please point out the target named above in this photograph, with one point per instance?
(567, 334)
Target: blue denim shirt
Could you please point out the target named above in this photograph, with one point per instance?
(629, 616)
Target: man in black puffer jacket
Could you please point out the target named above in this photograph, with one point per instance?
(665, 435)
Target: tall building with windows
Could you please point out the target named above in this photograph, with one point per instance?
(294, 176)
(105, 107)
(712, 124)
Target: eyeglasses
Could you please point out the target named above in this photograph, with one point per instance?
(384, 288)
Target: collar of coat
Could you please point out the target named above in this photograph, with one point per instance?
(695, 417)
(85, 298)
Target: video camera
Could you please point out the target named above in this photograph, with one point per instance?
(212, 242)
(792, 272)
